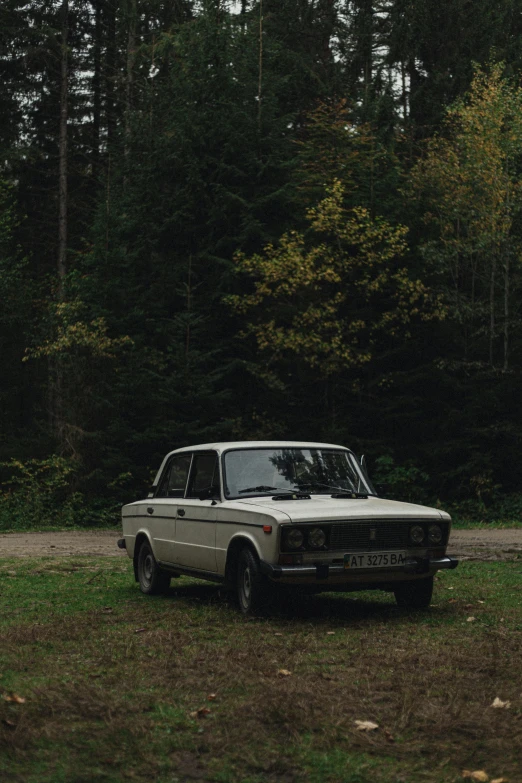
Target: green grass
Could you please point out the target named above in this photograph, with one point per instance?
(112, 679)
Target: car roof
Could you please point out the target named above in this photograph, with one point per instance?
(223, 446)
(257, 444)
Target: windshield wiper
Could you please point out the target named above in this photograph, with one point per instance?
(261, 488)
(340, 492)
(326, 486)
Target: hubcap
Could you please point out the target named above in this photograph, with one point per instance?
(247, 587)
(148, 568)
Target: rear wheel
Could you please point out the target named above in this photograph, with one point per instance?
(151, 578)
(415, 594)
(254, 592)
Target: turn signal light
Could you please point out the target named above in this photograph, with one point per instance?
(267, 528)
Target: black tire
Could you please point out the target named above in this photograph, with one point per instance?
(254, 592)
(151, 578)
(415, 594)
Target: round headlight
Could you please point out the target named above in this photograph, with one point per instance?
(435, 534)
(294, 538)
(417, 534)
(316, 538)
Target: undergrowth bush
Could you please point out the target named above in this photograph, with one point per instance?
(40, 493)
(402, 482)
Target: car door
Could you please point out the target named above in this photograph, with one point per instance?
(161, 510)
(196, 517)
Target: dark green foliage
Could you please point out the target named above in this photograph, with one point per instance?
(197, 130)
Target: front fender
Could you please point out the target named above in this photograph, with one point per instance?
(245, 538)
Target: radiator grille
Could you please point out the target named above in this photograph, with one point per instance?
(387, 534)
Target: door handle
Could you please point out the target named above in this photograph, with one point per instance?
(181, 512)
(150, 510)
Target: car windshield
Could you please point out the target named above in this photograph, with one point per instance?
(271, 470)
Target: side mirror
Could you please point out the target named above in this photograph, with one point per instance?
(209, 492)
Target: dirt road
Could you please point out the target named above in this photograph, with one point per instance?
(465, 544)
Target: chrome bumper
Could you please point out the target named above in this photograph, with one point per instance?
(414, 565)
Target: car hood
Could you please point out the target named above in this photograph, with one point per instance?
(327, 508)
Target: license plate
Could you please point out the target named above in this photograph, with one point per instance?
(374, 560)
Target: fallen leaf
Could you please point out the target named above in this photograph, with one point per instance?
(139, 630)
(452, 601)
(450, 588)
(366, 725)
(278, 634)
(330, 633)
(202, 712)
(389, 736)
(479, 775)
(470, 620)
(14, 697)
(500, 780)
(468, 606)
(498, 703)
(284, 673)
(9, 724)
(481, 602)
(211, 696)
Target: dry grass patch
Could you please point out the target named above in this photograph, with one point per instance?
(183, 688)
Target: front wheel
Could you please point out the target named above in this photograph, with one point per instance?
(414, 594)
(151, 578)
(253, 591)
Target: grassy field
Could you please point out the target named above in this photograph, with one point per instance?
(117, 685)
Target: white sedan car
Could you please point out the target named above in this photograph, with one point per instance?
(256, 514)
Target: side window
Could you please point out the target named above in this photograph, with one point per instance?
(204, 474)
(174, 480)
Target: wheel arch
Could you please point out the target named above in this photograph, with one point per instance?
(236, 544)
(141, 537)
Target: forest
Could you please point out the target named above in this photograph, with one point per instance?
(253, 220)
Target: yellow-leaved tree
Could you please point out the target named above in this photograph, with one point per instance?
(332, 296)
(470, 180)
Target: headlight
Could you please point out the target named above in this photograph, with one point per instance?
(316, 538)
(294, 538)
(435, 534)
(417, 534)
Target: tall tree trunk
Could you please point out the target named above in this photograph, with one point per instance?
(56, 372)
(492, 311)
(506, 313)
(260, 82)
(96, 89)
(62, 154)
(365, 34)
(404, 93)
(110, 74)
(132, 13)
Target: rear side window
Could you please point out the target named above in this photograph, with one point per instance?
(174, 480)
(204, 474)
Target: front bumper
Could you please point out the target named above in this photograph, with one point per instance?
(414, 566)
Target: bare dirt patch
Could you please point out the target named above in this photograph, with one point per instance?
(486, 544)
(503, 544)
(90, 543)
